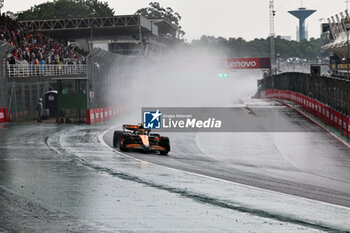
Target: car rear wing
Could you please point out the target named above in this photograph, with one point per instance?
(134, 128)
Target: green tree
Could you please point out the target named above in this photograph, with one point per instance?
(238, 47)
(156, 11)
(59, 9)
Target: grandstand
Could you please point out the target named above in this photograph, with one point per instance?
(33, 47)
(36, 50)
(44, 55)
(336, 37)
(124, 34)
(35, 62)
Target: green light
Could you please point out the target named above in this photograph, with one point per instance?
(223, 75)
(259, 85)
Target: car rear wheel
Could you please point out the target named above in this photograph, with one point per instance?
(164, 142)
(116, 138)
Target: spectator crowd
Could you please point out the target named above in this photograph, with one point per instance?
(33, 47)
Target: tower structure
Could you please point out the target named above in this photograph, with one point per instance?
(302, 13)
(272, 35)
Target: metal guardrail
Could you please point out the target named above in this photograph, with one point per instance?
(32, 70)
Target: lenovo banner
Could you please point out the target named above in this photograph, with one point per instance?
(247, 63)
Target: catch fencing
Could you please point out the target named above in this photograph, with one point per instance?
(32, 70)
(4, 49)
(23, 98)
(322, 111)
(25, 84)
(331, 91)
(108, 77)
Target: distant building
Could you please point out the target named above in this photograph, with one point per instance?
(334, 38)
(287, 37)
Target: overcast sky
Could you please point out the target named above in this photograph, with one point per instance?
(228, 18)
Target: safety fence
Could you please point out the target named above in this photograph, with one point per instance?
(323, 112)
(4, 116)
(109, 75)
(71, 116)
(23, 99)
(333, 91)
(33, 70)
(97, 115)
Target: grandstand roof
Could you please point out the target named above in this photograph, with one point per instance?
(101, 27)
(339, 26)
(165, 27)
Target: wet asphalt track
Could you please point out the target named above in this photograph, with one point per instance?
(61, 178)
(307, 161)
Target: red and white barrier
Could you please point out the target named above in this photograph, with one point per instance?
(110, 113)
(101, 114)
(328, 116)
(105, 110)
(320, 110)
(348, 127)
(335, 118)
(4, 115)
(340, 121)
(345, 125)
(90, 116)
(97, 115)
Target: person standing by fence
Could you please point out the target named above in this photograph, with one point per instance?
(42, 64)
(39, 109)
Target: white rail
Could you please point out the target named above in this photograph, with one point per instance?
(31, 70)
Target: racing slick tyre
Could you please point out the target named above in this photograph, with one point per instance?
(164, 142)
(116, 138)
(123, 142)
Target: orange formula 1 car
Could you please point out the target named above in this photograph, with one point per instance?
(135, 137)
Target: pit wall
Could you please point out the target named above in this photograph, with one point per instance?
(4, 116)
(98, 115)
(323, 112)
